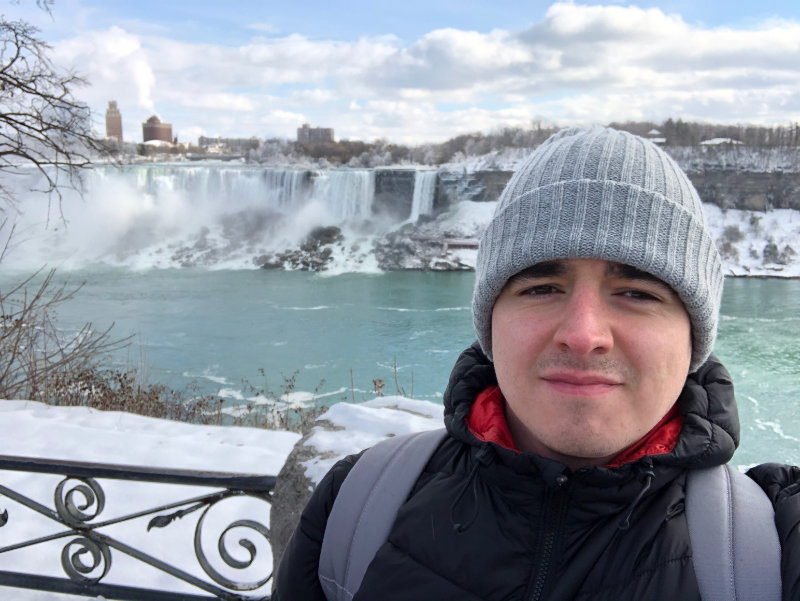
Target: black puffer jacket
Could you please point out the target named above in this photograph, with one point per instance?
(486, 523)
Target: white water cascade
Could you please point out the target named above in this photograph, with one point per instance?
(172, 214)
(346, 193)
(273, 188)
(424, 192)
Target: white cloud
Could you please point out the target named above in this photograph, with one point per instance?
(577, 64)
(114, 61)
(219, 101)
(313, 96)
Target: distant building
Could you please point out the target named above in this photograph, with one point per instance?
(656, 137)
(227, 144)
(153, 129)
(314, 135)
(720, 142)
(113, 121)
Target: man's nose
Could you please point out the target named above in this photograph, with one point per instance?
(585, 325)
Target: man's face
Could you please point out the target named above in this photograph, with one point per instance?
(589, 355)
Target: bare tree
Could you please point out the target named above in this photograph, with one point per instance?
(34, 354)
(42, 125)
(43, 128)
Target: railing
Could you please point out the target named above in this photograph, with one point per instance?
(448, 243)
(82, 524)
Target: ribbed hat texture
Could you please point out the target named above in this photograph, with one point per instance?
(604, 194)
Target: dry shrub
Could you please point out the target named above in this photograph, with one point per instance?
(33, 351)
(117, 390)
(274, 410)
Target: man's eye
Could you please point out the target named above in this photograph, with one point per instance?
(640, 295)
(541, 290)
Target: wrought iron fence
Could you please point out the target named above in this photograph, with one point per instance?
(82, 523)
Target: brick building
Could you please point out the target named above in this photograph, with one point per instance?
(113, 121)
(153, 129)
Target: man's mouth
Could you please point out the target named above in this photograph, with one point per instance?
(581, 383)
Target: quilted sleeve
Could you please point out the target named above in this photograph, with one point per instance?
(782, 485)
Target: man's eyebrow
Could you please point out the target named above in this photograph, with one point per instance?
(633, 273)
(545, 269)
(556, 267)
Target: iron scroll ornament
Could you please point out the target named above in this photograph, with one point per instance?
(87, 558)
(74, 514)
(74, 566)
(227, 557)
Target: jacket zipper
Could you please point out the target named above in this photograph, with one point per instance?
(552, 522)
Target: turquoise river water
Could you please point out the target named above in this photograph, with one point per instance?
(218, 328)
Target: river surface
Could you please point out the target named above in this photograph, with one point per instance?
(221, 328)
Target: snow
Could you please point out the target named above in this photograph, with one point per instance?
(364, 424)
(83, 434)
(466, 217)
(718, 141)
(32, 429)
(742, 237)
(505, 159)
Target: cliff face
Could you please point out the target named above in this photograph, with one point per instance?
(726, 175)
(394, 193)
(748, 191)
(725, 188)
(477, 186)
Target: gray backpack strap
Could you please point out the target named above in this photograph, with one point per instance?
(735, 547)
(366, 507)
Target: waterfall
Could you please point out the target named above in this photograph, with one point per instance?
(347, 193)
(271, 188)
(289, 187)
(168, 214)
(424, 192)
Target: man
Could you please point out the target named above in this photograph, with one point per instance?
(591, 393)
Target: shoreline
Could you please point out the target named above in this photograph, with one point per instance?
(762, 276)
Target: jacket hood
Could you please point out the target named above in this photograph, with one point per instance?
(709, 436)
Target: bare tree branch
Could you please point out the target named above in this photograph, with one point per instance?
(33, 350)
(42, 125)
(44, 129)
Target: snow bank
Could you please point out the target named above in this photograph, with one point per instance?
(754, 243)
(359, 426)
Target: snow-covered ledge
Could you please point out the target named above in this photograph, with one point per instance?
(344, 429)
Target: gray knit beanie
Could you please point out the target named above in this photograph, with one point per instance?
(604, 194)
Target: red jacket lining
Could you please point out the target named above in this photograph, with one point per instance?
(487, 421)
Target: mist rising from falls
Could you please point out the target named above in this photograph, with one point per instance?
(223, 216)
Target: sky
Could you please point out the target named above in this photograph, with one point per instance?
(413, 72)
